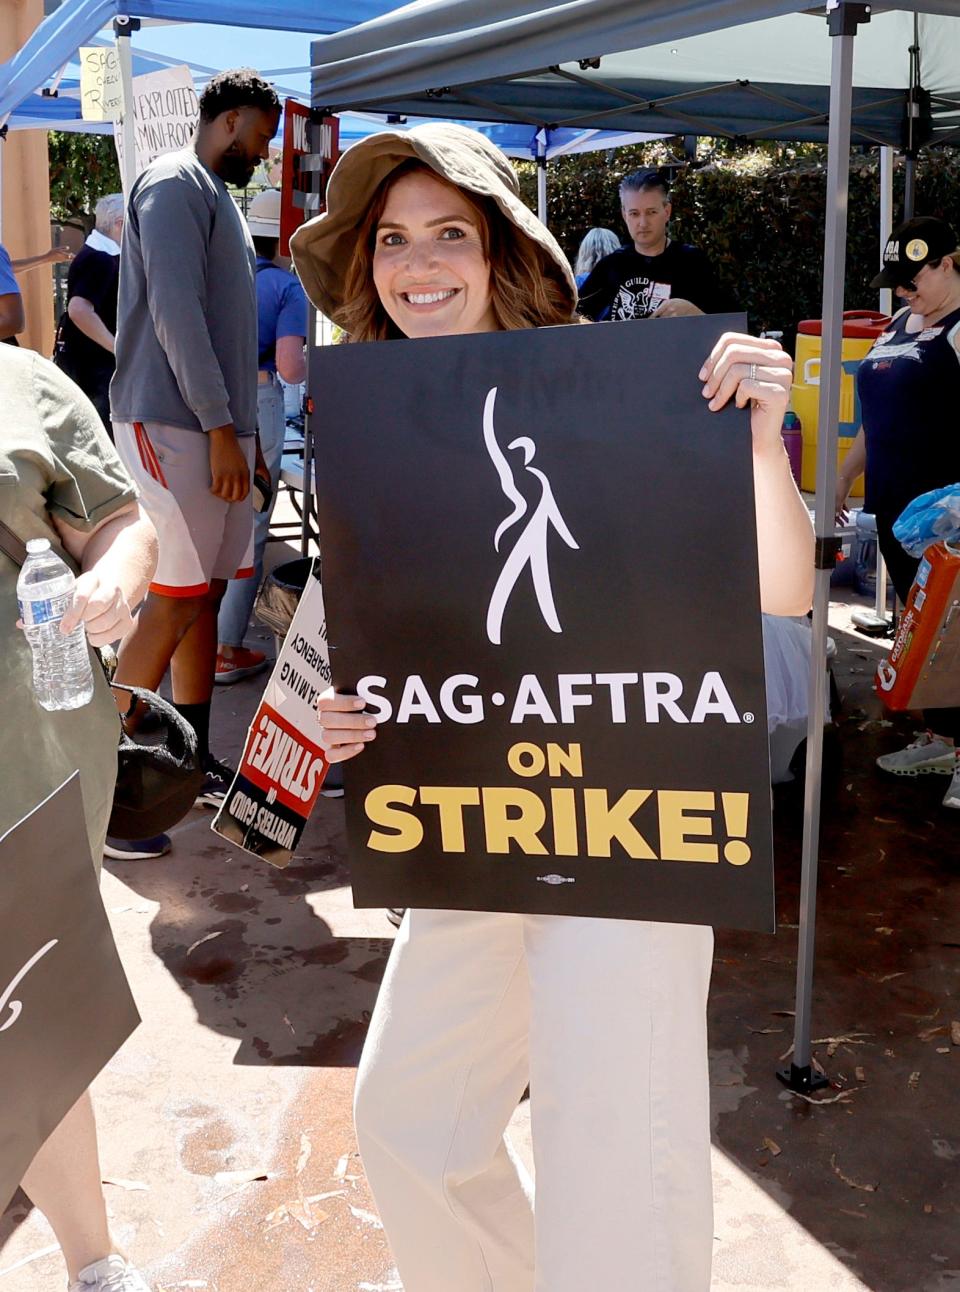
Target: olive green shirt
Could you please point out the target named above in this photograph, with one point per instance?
(55, 459)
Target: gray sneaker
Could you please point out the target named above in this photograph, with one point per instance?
(952, 797)
(112, 1274)
(927, 754)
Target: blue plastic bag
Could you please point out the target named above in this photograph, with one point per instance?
(934, 517)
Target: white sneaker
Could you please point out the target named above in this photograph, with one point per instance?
(928, 753)
(112, 1274)
(952, 797)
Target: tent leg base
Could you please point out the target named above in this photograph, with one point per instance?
(802, 1081)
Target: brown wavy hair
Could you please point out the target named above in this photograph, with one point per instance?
(526, 286)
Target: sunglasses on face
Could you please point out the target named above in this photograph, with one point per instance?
(911, 285)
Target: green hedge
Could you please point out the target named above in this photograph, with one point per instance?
(760, 221)
(83, 168)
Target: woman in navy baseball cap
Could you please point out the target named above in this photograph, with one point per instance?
(908, 386)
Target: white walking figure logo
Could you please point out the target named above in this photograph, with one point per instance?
(16, 1006)
(531, 546)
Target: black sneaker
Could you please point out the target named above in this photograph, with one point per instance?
(218, 778)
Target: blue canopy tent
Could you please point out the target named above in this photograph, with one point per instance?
(44, 112)
(526, 143)
(752, 69)
(56, 40)
(62, 112)
(53, 101)
(58, 37)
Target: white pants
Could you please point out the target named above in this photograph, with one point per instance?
(607, 1021)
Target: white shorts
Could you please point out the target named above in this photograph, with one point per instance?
(201, 537)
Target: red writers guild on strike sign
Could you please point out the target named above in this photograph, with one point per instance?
(282, 769)
(286, 766)
(274, 790)
(310, 152)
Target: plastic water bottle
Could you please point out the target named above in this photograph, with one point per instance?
(792, 434)
(62, 676)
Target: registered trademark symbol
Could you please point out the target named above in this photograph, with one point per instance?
(748, 717)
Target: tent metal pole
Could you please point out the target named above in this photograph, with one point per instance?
(843, 20)
(886, 219)
(122, 28)
(913, 109)
(316, 203)
(306, 498)
(909, 186)
(542, 176)
(886, 307)
(880, 600)
(875, 621)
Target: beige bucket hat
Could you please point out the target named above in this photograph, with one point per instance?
(322, 248)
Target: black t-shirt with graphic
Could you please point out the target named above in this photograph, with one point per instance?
(628, 285)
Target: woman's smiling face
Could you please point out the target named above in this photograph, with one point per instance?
(429, 266)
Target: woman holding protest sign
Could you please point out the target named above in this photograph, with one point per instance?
(425, 235)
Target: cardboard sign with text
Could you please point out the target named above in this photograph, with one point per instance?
(283, 767)
(101, 89)
(540, 571)
(165, 112)
(65, 1007)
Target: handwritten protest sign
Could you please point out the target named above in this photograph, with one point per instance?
(101, 90)
(540, 570)
(65, 1007)
(165, 112)
(282, 768)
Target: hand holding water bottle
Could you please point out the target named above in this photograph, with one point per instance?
(62, 675)
(101, 606)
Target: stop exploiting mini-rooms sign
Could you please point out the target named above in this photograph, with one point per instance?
(540, 572)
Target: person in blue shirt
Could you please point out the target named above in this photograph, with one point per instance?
(282, 331)
(12, 319)
(11, 302)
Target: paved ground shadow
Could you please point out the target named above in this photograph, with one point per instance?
(243, 940)
(872, 1175)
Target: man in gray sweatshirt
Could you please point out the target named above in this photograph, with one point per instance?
(184, 397)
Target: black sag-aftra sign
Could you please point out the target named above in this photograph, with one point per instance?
(540, 572)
